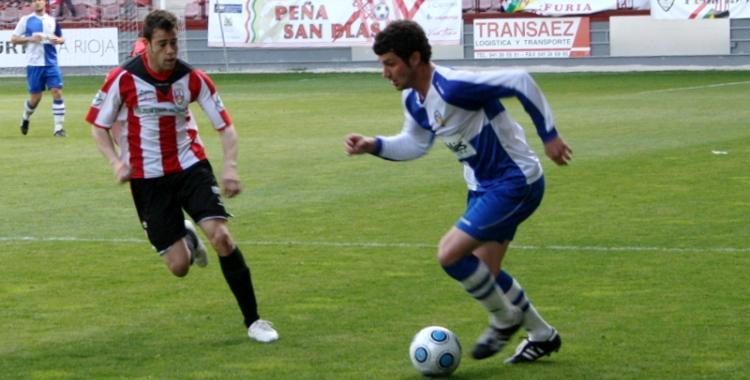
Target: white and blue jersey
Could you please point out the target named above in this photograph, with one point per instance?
(39, 53)
(464, 111)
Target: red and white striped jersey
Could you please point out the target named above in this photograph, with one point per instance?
(153, 109)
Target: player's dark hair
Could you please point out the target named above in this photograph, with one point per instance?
(403, 38)
(158, 19)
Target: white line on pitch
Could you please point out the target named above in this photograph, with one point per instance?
(693, 88)
(386, 245)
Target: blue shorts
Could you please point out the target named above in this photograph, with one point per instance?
(495, 215)
(41, 76)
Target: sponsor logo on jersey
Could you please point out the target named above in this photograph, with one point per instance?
(159, 111)
(146, 95)
(219, 103)
(98, 99)
(459, 146)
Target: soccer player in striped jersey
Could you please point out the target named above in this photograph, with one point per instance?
(505, 178)
(163, 158)
(41, 32)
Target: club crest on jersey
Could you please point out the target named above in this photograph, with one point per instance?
(179, 95)
(439, 119)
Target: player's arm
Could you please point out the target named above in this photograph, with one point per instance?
(20, 40)
(558, 151)
(519, 84)
(122, 170)
(102, 114)
(211, 103)
(401, 147)
(57, 38)
(19, 34)
(485, 87)
(359, 144)
(413, 142)
(535, 104)
(229, 177)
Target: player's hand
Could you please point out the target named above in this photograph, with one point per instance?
(123, 172)
(231, 182)
(558, 151)
(55, 40)
(36, 38)
(358, 144)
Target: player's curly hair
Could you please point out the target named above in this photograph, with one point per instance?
(403, 38)
(158, 19)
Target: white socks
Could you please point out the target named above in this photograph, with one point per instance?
(481, 285)
(533, 323)
(58, 113)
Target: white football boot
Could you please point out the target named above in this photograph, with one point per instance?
(262, 331)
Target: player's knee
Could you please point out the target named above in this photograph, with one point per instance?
(222, 241)
(447, 255)
(179, 269)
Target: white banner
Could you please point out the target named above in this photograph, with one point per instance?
(83, 47)
(316, 23)
(572, 7)
(699, 9)
(532, 38)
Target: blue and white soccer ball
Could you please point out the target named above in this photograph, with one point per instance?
(381, 11)
(435, 351)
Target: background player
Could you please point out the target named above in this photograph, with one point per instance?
(41, 33)
(504, 176)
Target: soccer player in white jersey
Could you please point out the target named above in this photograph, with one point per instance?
(163, 158)
(41, 32)
(505, 178)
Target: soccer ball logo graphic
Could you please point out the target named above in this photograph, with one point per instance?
(380, 11)
(435, 351)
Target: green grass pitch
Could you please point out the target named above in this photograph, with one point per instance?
(638, 255)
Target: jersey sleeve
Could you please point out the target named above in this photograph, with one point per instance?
(21, 27)
(413, 141)
(58, 30)
(107, 102)
(204, 92)
(489, 86)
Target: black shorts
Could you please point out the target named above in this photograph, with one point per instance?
(160, 201)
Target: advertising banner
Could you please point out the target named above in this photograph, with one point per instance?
(699, 9)
(532, 38)
(572, 7)
(83, 47)
(318, 23)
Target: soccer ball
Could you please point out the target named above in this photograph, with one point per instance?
(381, 11)
(435, 351)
